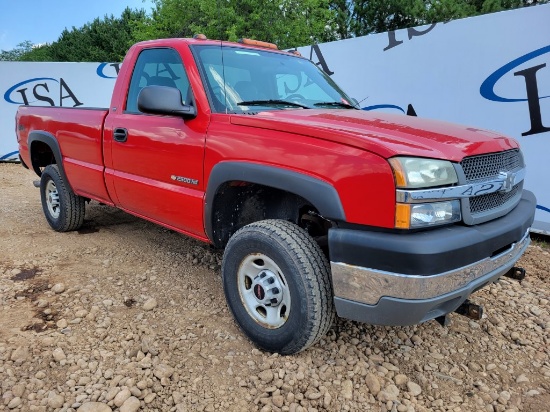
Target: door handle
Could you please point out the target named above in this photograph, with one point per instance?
(120, 134)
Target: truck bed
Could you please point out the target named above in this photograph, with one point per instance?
(79, 133)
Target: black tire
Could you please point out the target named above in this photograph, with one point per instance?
(63, 209)
(281, 250)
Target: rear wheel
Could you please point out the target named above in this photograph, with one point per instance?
(64, 210)
(277, 285)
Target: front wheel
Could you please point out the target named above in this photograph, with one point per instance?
(277, 285)
(64, 210)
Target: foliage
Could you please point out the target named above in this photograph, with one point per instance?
(285, 22)
(381, 15)
(288, 23)
(375, 16)
(103, 40)
(16, 53)
(41, 53)
(343, 15)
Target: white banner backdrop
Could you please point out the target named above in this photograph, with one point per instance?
(491, 72)
(49, 84)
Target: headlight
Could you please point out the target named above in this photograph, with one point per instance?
(415, 172)
(411, 216)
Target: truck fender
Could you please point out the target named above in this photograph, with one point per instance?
(51, 141)
(319, 193)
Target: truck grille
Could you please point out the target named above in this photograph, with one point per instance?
(490, 165)
(486, 167)
(485, 203)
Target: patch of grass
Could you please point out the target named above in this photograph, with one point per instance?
(540, 240)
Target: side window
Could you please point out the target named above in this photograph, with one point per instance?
(157, 67)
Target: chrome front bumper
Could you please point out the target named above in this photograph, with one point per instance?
(368, 286)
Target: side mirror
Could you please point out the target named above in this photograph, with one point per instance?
(164, 100)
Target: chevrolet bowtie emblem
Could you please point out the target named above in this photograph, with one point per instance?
(508, 180)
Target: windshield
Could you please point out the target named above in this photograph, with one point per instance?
(262, 80)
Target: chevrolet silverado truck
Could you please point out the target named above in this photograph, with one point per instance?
(323, 209)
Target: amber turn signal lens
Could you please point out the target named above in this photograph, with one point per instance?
(398, 173)
(402, 216)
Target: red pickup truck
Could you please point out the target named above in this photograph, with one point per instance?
(322, 208)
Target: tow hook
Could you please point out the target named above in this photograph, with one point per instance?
(470, 310)
(444, 320)
(516, 273)
(474, 311)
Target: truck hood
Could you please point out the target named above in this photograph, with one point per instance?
(384, 134)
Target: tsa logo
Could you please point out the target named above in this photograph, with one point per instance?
(42, 91)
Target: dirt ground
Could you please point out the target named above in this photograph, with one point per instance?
(126, 315)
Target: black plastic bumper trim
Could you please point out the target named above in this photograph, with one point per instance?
(432, 251)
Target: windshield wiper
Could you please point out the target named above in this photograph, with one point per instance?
(337, 104)
(272, 102)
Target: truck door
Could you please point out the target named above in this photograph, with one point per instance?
(155, 164)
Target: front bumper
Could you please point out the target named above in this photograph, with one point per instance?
(403, 279)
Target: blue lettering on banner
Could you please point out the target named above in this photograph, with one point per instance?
(487, 89)
(383, 106)
(411, 31)
(8, 155)
(41, 89)
(108, 70)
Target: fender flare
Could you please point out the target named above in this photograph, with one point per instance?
(51, 141)
(319, 193)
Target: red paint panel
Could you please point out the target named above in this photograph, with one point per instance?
(158, 150)
(384, 134)
(78, 133)
(363, 180)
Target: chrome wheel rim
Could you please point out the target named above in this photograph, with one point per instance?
(52, 199)
(264, 291)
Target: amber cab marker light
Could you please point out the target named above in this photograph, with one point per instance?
(258, 43)
(402, 216)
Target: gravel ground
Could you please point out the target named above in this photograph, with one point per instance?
(125, 315)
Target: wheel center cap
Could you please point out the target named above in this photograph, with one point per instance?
(259, 292)
(267, 289)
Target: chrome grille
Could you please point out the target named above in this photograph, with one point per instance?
(479, 209)
(485, 203)
(490, 165)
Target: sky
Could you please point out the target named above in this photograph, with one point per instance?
(42, 21)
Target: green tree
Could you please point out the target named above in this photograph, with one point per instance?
(41, 53)
(105, 39)
(343, 14)
(16, 53)
(288, 23)
(376, 16)
(446, 10)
